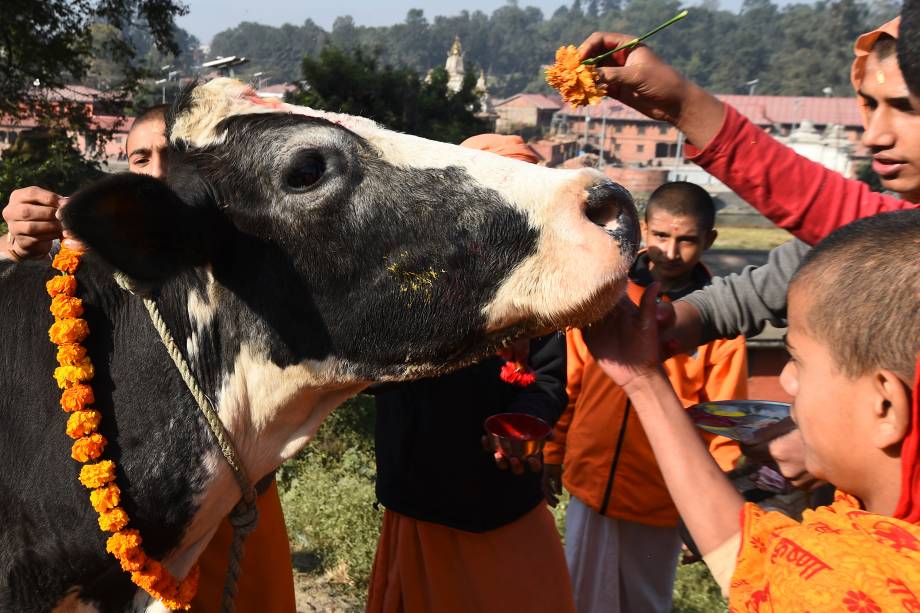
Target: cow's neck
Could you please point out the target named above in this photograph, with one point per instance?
(270, 410)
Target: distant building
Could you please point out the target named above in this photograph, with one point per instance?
(526, 111)
(454, 66)
(104, 111)
(555, 151)
(276, 92)
(626, 136)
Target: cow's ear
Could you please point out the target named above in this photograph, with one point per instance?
(142, 227)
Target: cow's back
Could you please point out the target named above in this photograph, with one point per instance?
(51, 540)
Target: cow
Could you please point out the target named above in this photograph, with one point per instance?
(296, 256)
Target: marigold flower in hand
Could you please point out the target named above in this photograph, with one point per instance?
(88, 448)
(65, 331)
(96, 475)
(66, 307)
(105, 498)
(61, 285)
(66, 260)
(575, 81)
(81, 423)
(113, 520)
(77, 397)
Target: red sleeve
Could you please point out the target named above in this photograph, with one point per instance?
(802, 196)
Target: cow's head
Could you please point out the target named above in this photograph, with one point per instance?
(390, 255)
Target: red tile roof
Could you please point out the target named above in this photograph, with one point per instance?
(541, 101)
(762, 110)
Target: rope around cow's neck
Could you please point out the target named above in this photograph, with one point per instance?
(245, 514)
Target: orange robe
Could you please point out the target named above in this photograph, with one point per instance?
(839, 558)
(423, 567)
(266, 582)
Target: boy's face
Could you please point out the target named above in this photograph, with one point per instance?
(147, 149)
(893, 127)
(675, 244)
(827, 406)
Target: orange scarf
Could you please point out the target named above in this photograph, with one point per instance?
(862, 49)
(839, 558)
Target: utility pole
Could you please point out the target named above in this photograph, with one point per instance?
(170, 74)
(603, 143)
(587, 121)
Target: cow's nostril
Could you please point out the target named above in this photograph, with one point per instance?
(606, 202)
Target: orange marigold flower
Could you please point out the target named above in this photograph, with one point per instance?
(70, 354)
(88, 448)
(76, 397)
(576, 82)
(78, 373)
(126, 547)
(105, 498)
(151, 578)
(66, 307)
(66, 260)
(113, 520)
(65, 331)
(98, 474)
(64, 285)
(82, 423)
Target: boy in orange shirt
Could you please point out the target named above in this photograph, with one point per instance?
(854, 341)
(622, 536)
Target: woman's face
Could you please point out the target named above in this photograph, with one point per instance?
(893, 127)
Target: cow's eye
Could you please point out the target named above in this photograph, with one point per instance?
(304, 171)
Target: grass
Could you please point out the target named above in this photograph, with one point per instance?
(333, 522)
(761, 239)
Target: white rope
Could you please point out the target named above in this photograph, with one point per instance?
(245, 514)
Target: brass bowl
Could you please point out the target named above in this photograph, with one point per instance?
(517, 435)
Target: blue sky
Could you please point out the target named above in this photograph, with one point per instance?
(207, 17)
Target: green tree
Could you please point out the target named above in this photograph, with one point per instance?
(354, 82)
(45, 157)
(794, 49)
(275, 52)
(50, 43)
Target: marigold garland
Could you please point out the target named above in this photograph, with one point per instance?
(74, 371)
(83, 422)
(76, 397)
(576, 81)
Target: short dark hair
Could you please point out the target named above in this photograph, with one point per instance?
(909, 44)
(683, 198)
(864, 285)
(157, 111)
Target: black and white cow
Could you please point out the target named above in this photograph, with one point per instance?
(296, 256)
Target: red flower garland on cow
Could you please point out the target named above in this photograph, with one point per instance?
(73, 374)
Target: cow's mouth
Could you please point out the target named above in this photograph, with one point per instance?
(610, 207)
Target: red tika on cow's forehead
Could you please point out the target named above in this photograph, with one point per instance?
(216, 100)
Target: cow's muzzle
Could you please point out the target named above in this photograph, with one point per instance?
(611, 207)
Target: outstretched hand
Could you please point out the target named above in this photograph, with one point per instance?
(639, 78)
(625, 343)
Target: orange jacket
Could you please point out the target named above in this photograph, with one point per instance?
(607, 460)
